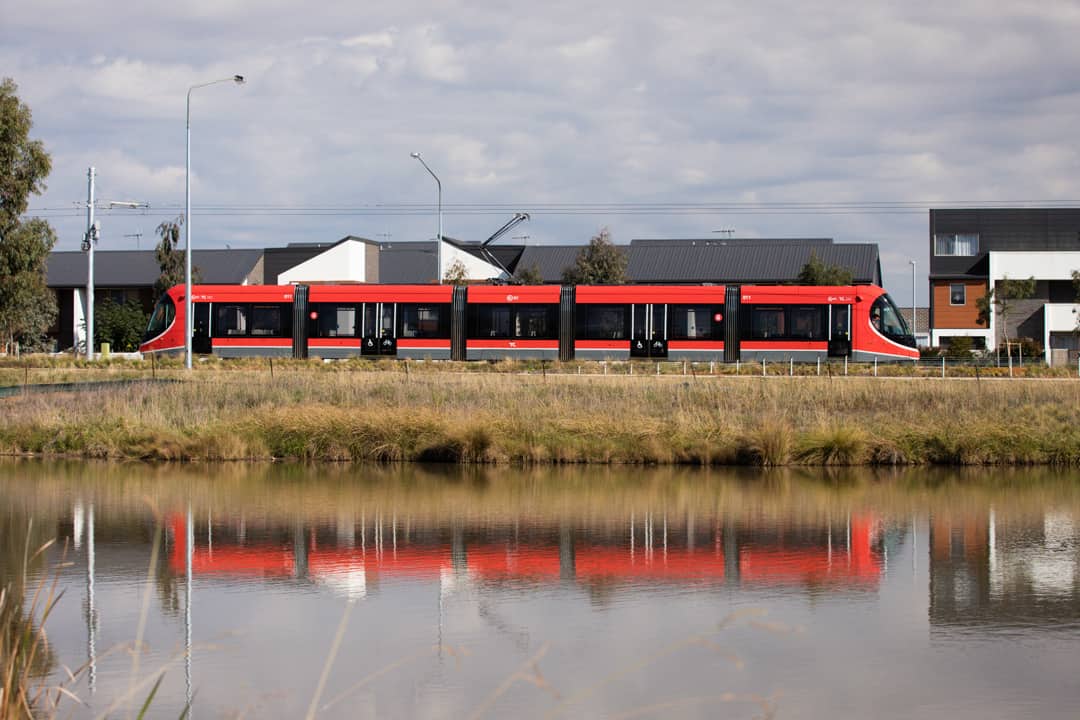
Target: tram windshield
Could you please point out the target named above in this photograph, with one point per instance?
(886, 318)
(162, 317)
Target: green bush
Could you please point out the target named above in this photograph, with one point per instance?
(121, 326)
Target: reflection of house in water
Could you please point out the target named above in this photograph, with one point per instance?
(986, 569)
(355, 558)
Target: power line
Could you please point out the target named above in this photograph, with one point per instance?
(572, 209)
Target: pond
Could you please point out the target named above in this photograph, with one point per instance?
(416, 592)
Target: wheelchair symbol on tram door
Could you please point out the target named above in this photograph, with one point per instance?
(648, 348)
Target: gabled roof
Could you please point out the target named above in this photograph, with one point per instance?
(139, 268)
(279, 260)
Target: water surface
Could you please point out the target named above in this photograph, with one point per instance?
(410, 592)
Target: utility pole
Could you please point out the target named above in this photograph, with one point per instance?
(89, 241)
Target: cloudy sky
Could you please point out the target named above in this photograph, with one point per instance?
(669, 119)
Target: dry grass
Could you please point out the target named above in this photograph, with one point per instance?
(336, 415)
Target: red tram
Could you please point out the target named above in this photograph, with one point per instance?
(488, 322)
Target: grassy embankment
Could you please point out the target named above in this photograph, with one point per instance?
(328, 412)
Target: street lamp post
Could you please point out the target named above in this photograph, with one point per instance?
(438, 238)
(188, 320)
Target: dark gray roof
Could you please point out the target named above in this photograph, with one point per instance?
(730, 241)
(716, 261)
(550, 260)
(139, 268)
(745, 263)
(407, 262)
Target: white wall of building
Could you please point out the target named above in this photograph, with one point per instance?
(1041, 265)
(78, 319)
(476, 268)
(1058, 317)
(345, 262)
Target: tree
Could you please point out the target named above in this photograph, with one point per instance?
(27, 306)
(527, 276)
(457, 273)
(598, 263)
(121, 326)
(1076, 287)
(1001, 300)
(170, 259)
(816, 272)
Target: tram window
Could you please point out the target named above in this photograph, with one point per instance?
(602, 322)
(162, 317)
(423, 321)
(807, 323)
(887, 319)
(270, 321)
(514, 321)
(230, 320)
(336, 320)
(648, 321)
(371, 327)
(376, 324)
(696, 322)
(535, 321)
(489, 321)
(767, 322)
(840, 322)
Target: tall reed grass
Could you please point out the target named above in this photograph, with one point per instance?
(25, 653)
(527, 419)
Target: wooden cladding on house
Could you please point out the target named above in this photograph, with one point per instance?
(948, 314)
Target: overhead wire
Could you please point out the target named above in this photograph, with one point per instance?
(897, 207)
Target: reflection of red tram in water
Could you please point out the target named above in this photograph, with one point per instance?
(806, 557)
(724, 323)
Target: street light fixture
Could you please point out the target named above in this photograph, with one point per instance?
(438, 238)
(188, 320)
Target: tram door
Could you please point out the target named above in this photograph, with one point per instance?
(648, 330)
(379, 329)
(200, 330)
(839, 330)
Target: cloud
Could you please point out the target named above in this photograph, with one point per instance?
(562, 102)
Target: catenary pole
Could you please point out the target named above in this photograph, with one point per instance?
(91, 241)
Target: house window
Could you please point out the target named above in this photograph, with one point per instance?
(958, 294)
(958, 244)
